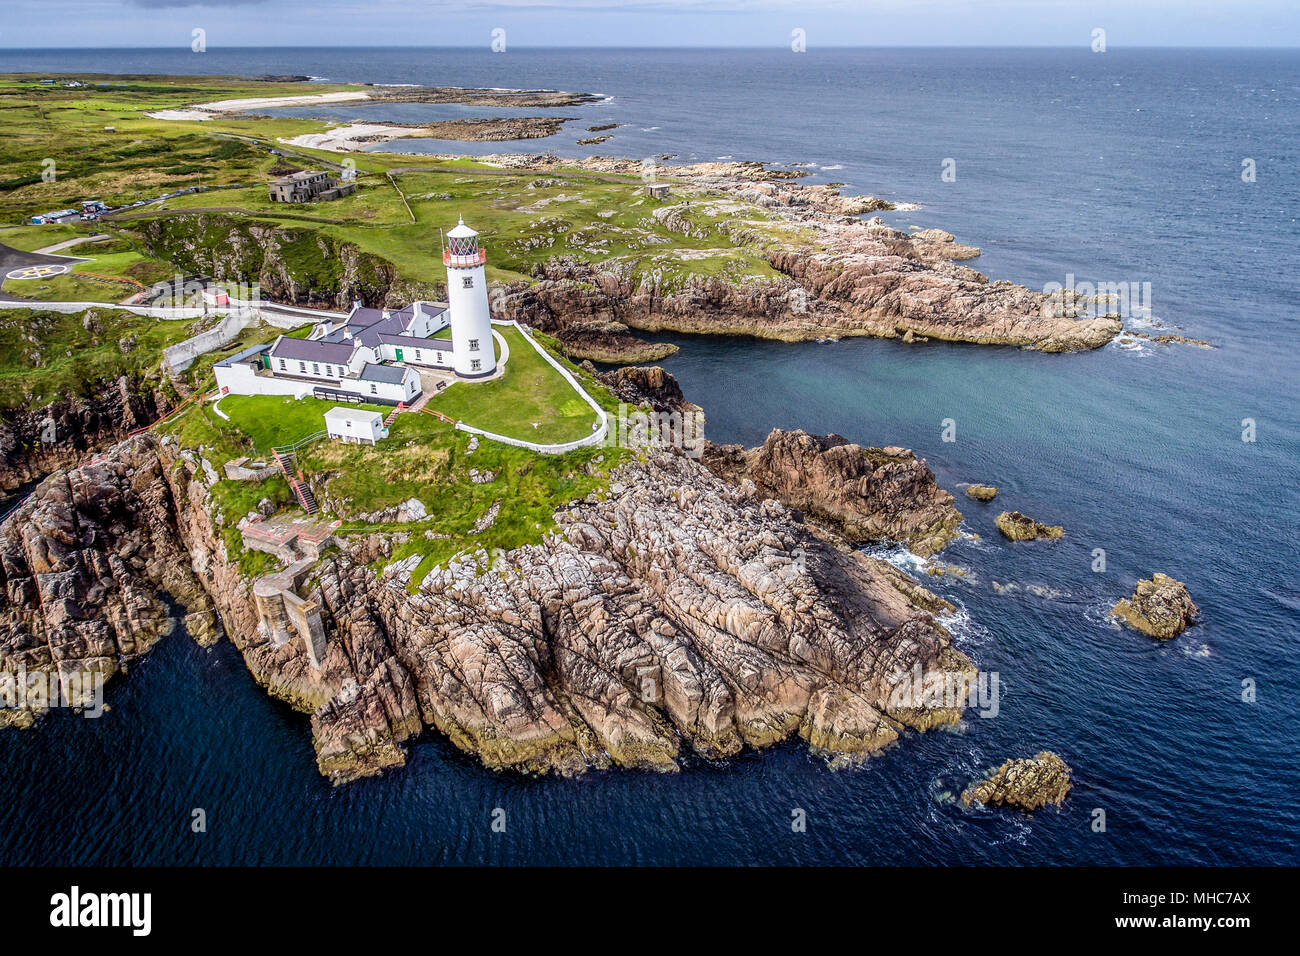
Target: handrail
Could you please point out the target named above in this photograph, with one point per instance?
(292, 449)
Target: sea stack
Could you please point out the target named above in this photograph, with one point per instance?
(1020, 527)
(1160, 607)
(1027, 785)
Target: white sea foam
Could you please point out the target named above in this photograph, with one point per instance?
(965, 630)
(1099, 613)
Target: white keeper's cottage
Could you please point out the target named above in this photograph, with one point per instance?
(355, 425)
(374, 355)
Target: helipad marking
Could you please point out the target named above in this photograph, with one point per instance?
(38, 272)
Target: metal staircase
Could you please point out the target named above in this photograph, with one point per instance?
(286, 457)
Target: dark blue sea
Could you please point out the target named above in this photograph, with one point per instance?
(1117, 167)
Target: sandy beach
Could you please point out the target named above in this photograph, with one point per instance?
(203, 111)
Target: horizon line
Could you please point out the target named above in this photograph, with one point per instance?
(616, 46)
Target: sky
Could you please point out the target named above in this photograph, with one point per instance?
(29, 24)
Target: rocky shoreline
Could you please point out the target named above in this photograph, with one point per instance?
(840, 276)
(677, 611)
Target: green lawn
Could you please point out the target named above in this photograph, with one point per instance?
(531, 401)
(429, 460)
(271, 420)
(526, 218)
(31, 238)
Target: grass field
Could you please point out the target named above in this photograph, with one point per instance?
(531, 401)
(525, 218)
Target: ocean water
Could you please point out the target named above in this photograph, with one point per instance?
(1116, 167)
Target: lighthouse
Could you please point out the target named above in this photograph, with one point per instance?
(467, 299)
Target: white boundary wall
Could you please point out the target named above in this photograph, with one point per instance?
(597, 437)
(182, 355)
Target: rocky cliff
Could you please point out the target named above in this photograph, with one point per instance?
(840, 276)
(300, 266)
(675, 611)
(866, 494)
(36, 441)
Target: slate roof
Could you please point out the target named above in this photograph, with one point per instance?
(239, 357)
(313, 350)
(416, 342)
(392, 374)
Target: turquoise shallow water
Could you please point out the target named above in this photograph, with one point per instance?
(1123, 167)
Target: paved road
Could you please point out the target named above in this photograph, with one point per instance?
(69, 243)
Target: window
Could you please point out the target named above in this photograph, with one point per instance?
(473, 345)
(302, 366)
(374, 389)
(315, 369)
(417, 355)
(437, 357)
(282, 365)
(467, 282)
(475, 365)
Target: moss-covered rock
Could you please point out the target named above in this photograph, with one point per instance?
(1019, 527)
(1159, 607)
(1027, 785)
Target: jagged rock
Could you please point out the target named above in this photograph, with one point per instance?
(487, 518)
(37, 441)
(869, 494)
(1020, 527)
(83, 561)
(981, 492)
(1027, 785)
(651, 621)
(647, 385)
(1159, 607)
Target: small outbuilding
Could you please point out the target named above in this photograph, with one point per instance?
(656, 190)
(355, 425)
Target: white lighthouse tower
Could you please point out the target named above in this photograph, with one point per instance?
(467, 298)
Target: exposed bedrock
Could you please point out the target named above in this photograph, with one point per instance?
(879, 282)
(867, 494)
(1160, 607)
(36, 441)
(1028, 784)
(646, 385)
(1021, 527)
(679, 611)
(85, 561)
